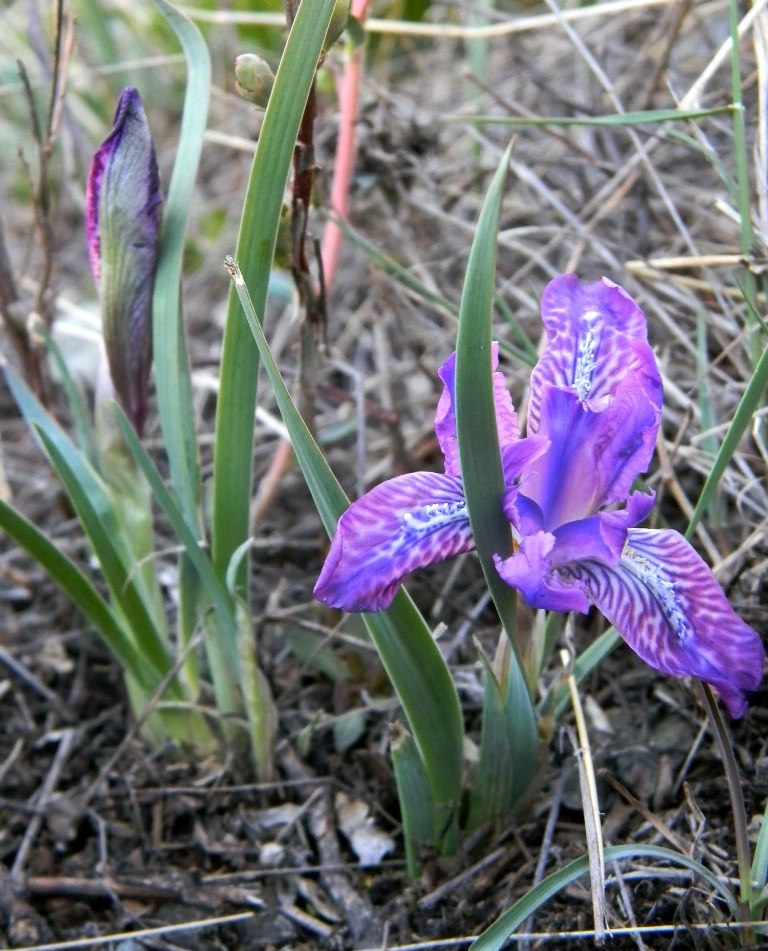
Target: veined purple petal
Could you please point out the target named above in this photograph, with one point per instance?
(600, 537)
(405, 523)
(531, 571)
(123, 230)
(667, 605)
(595, 453)
(534, 567)
(507, 424)
(596, 338)
(517, 457)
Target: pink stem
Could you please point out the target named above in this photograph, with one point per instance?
(349, 98)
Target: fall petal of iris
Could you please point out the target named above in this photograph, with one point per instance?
(405, 523)
(668, 606)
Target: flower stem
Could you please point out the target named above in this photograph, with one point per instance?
(725, 748)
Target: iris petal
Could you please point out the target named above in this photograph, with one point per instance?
(596, 338)
(507, 425)
(595, 454)
(405, 523)
(530, 570)
(667, 605)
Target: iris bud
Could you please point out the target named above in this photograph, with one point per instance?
(338, 23)
(123, 230)
(253, 79)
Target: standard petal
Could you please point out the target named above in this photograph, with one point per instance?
(596, 338)
(517, 457)
(406, 523)
(595, 453)
(531, 571)
(507, 424)
(667, 605)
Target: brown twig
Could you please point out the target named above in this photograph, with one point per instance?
(357, 910)
(44, 134)
(66, 743)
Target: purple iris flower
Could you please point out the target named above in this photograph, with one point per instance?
(593, 417)
(123, 229)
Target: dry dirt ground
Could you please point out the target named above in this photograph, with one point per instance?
(98, 834)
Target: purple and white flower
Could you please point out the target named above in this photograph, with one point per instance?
(123, 202)
(593, 416)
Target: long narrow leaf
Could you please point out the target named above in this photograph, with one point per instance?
(92, 499)
(480, 457)
(760, 860)
(118, 575)
(255, 250)
(221, 645)
(475, 411)
(410, 656)
(495, 936)
(78, 410)
(415, 797)
(491, 798)
(219, 596)
(81, 592)
(40, 421)
(504, 768)
(174, 389)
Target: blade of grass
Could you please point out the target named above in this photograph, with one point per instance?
(749, 402)
(396, 271)
(738, 809)
(172, 375)
(743, 197)
(526, 352)
(478, 439)
(494, 937)
(236, 406)
(614, 120)
(38, 419)
(706, 414)
(410, 656)
(260, 709)
(217, 592)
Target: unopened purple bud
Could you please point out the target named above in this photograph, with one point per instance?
(123, 229)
